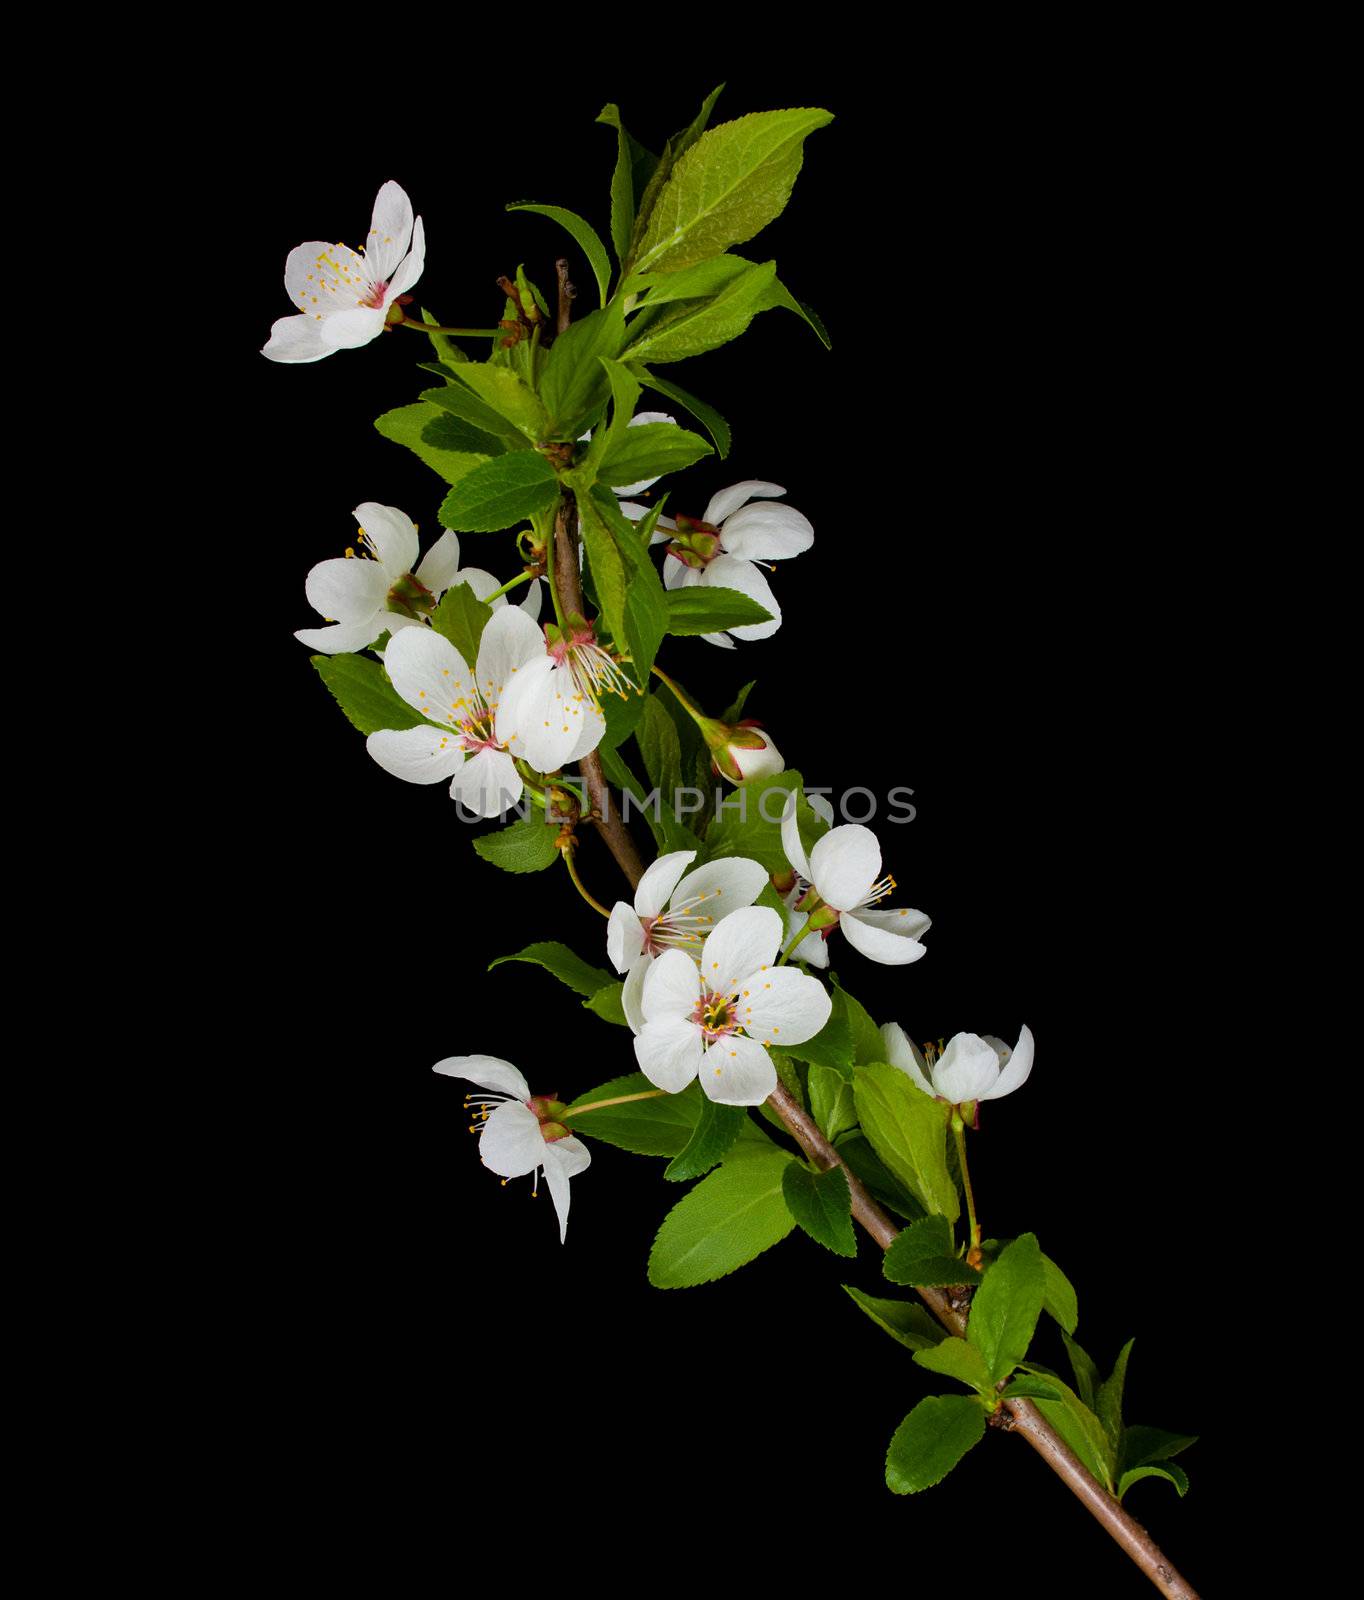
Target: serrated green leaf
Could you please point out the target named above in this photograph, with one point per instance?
(500, 493)
(924, 1256)
(460, 401)
(1007, 1305)
(822, 1204)
(645, 607)
(605, 562)
(727, 1219)
(864, 1035)
(717, 1128)
(906, 1321)
(503, 393)
(446, 431)
(703, 609)
(1059, 1300)
(566, 965)
(408, 425)
(726, 188)
(1078, 1426)
(1086, 1373)
(955, 1358)
(709, 418)
(364, 693)
(701, 282)
(634, 167)
(624, 388)
(744, 825)
(647, 198)
(1141, 1445)
(691, 327)
(831, 1047)
(1108, 1398)
(856, 1152)
(648, 451)
(1027, 1388)
(585, 235)
(526, 846)
(461, 617)
(777, 294)
(1165, 1469)
(659, 1126)
(909, 1132)
(931, 1440)
(607, 1004)
(831, 1101)
(574, 384)
(656, 736)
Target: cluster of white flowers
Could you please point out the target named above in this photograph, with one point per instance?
(707, 990)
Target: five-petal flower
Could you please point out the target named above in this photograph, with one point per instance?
(344, 295)
(465, 738)
(718, 1021)
(515, 1138)
(972, 1067)
(842, 883)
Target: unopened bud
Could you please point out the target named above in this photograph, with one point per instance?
(745, 753)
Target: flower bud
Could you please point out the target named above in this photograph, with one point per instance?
(741, 752)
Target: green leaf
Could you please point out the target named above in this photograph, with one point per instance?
(1033, 1389)
(924, 1256)
(409, 425)
(634, 168)
(586, 236)
(505, 394)
(645, 602)
(1007, 1305)
(736, 707)
(566, 965)
(867, 1044)
(726, 187)
(856, 1151)
(779, 295)
(701, 609)
(500, 493)
(525, 846)
(1108, 1400)
(1058, 1296)
(446, 431)
(716, 1130)
(743, 825)
(658, 743)
(1086, 1373)
(574, 384)
(822, 1204)
(904, 1320)
(461, 616)
(607, 1004)
(648, 451)
(1077, 1425)
(955, 1358)
(931, 1440)
(605, 561)
(727, 1219)
(908, 1129)
(647, 198)
(1141, 1445)
(364, 693)
(709, 418)
(701, 282)
(831, 1101)
(831, 1047)
(691, 327)
(460, 401)
(657, 1127)
(1166, 1469)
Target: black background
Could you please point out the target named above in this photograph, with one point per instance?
(1012, 606)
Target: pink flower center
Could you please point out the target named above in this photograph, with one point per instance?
(714, 1015)
(376, 296)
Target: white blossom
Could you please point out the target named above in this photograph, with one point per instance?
(972, 1067)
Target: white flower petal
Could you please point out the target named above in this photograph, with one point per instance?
(417, 755)
(509, 642)
(821, 807)
(546, 714)
(410, 268)
(659, 881)
(348, 330)
(791, 840)
(904, 920)
(390, 232)
(302, 269)
(343, 637)
(722, 639)
(392, 535)
(672, 987)
(743, 944)
(430, 674)
(511, 1143)
(726, 501)
(669, 1051)
(488, 1072)
(844, 864)
(487, 783)
(729, 572)
(891, 949)
(902, 1052)
(966, 1070)
(738, 1072)
(767, 533)
(592, 732)
(783, 1006)
(678, 575)
(624, 937)
(349, 590)
(1015, 1073)
(531, 604)
(632, 992)
(813, 948)
(718, 888)
(296, 340)
(440, 564)
(563, 1158)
